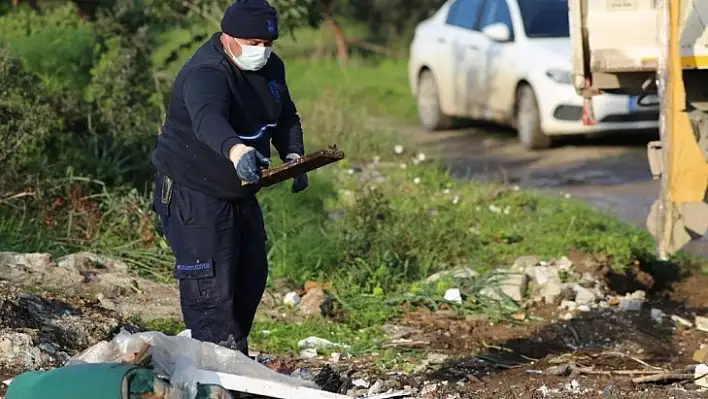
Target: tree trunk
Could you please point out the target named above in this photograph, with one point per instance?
(87, 9)
(339, 39)
(32, 3)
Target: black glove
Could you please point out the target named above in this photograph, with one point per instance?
(300, 182)
(248, 162)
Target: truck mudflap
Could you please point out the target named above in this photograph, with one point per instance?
(679, 159)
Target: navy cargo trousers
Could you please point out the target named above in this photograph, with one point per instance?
(220, 260)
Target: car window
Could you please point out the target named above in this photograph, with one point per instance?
(496, 11)
(464, 13)
(545, 18)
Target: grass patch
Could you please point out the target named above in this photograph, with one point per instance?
(378, 86)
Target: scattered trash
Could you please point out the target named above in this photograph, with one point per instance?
(700, 375)
(360, 383)
(453, 295)
(179, 367)
(681, 320)
(316, 302)
(630, 304)
(291, 299)
(657, 315)
(701, 323)
(701, 354)
(318, 343)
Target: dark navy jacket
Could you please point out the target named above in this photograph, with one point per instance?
(213, 106)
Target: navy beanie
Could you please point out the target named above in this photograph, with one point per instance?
(250, 19)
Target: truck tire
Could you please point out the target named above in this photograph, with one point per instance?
(428, 104)
(528, 120)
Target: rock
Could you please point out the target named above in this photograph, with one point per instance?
(285, 285)
(639, 295)
(562, 370)
(584, 296)
(564, 264)
(86, 261)
(513, 285)
(460, 274)
(548, 281)
(309, 353)
(630, 304)
(429, 390)
(453, 295)
(524, 262)
(316, 302)
(588, 277)
(357, 392)
(376, 388)
(657, 315)
(542, 275)
(701, 323)
(568, 305)
(681, 320)
(701, 375)
(436, 358)
(291, 299)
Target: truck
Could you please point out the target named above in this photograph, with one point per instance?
(654, 48)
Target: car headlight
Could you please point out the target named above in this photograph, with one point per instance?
(560, 76)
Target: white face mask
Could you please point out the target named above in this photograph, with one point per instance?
(252, 58)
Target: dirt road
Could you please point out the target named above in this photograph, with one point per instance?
(611, 173)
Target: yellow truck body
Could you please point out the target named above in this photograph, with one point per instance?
(654, 47)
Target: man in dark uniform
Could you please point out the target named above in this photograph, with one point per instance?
(228, 103)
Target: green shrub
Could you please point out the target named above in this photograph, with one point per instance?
(27, 123)
(57, 44)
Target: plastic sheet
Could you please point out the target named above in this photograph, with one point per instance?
(662, 81)
(178, 358)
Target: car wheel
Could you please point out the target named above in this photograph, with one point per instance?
(429, 113)
(528, 120)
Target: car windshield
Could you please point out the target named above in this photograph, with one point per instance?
(545, 18)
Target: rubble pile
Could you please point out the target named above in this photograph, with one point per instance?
(86, 298)
(107, 280)
(41, 332)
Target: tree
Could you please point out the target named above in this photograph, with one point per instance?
(391, 20)
(292, 14)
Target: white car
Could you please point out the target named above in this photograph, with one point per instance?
(509, 62)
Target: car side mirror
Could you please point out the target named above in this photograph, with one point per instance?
(498, 32)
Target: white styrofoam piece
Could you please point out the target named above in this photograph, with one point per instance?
(257, 386)
(7, 382)
(397, 394)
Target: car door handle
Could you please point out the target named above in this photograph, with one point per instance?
(440, 40)
(473, 47)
